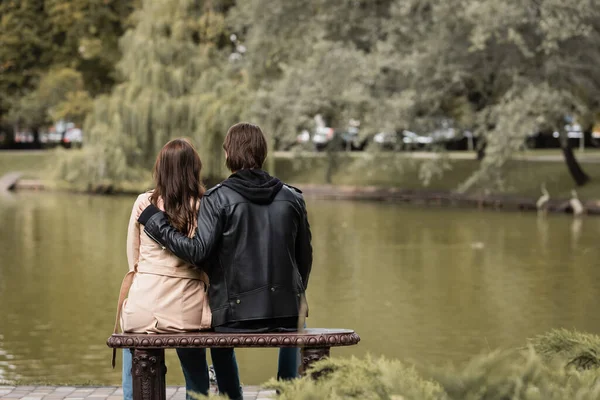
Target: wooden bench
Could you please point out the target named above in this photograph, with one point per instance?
(149, 351)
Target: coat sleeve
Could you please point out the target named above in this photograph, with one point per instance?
(133, 232)
(304, 252)
(195, 250)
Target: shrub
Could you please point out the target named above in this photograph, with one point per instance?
(558, 365)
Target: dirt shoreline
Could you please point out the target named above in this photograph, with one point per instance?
(396, 195)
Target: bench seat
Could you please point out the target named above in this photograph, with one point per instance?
(149, 369)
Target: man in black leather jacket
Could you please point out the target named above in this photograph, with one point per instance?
(254, 241)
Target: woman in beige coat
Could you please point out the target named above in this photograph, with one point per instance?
(164, 293)
(167, 295)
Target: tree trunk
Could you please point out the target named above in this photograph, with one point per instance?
(332, 155)
(481, 150)
(271, 154)
(36, 136)
(577, 173)
(37, 143)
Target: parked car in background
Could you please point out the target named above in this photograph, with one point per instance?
(322, 136)
(24, 137)
(388, 140)
(303, 137)
(351, 140)
(73, 138)
(414, 141)
(342, 139)
(448, 137)
(452, 138)
(54, 136)
(401, 140)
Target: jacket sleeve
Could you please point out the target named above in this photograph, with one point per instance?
(133, 236)
(194, 250)
(304, 255)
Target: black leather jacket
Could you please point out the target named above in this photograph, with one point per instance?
(253, 240)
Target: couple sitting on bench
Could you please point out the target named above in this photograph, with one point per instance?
(233, 259)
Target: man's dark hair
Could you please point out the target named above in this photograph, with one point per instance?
(246, 147)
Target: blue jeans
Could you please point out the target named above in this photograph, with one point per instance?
(127, 378)
(289, 362)
(195, 372)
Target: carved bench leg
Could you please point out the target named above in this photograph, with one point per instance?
(310, 356)
(149, 374)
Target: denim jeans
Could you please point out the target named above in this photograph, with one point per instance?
(195, 371)
(289, 362)
(127, 378)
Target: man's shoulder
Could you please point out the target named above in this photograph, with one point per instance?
(221, 192)
(295, 193)
(292, 188)
(213, 189)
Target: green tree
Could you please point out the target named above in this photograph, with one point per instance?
(504, 69)
(177, 81)
(60, 94)
(40, 37)
(24, 48)
(310, 56)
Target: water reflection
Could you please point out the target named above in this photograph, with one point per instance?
(576, 231)
(432, 285)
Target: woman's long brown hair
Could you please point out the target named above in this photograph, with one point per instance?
(178, 185)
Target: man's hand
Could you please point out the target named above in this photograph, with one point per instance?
(148, 213)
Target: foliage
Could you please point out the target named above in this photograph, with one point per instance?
(355, 378)
(308, 57)
(24, 51)
(93, 168)
(503, 71)
(581, 350)
(517, 375)
(177, 82)
(41, 37)
(521, 374)
(60, 94)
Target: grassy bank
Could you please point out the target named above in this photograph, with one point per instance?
(523, 176)
(33, 164)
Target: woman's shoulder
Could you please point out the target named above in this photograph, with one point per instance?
(144, 198)
(143, 201)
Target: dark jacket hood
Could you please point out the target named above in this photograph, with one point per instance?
(255, 185)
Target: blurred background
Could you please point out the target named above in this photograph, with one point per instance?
(479, 98)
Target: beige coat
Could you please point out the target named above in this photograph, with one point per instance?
(167, 295)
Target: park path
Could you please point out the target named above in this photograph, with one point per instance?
(104, 393)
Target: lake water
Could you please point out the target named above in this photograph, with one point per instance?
(428, 285)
